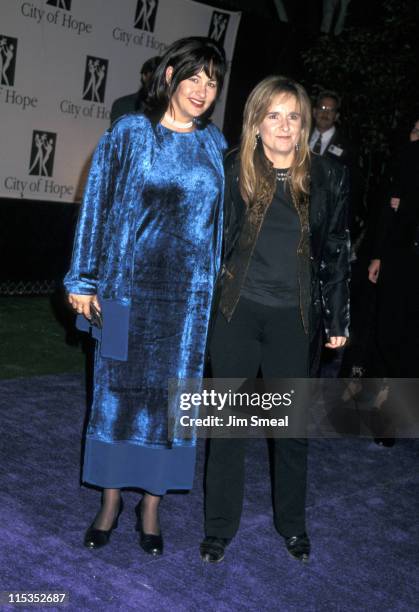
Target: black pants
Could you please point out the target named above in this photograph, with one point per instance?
(398, 314)
(272, 339)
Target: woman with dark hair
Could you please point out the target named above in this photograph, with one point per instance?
(284, 286)
(145, 259)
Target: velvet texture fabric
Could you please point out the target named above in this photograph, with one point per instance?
(149, 235)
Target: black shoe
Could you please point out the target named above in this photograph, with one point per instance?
(298, 547)
(212, 549)
(387, 442)
(96, 538)
(151, 544)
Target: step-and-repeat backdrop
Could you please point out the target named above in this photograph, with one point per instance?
(63, 63)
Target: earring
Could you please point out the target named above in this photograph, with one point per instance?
(297, 146)
(256, 141)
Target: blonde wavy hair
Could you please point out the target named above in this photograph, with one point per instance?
(257, 175)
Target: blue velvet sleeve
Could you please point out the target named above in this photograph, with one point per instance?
(84, 272)
(219, 138)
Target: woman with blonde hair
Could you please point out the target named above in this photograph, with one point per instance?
(284, 287)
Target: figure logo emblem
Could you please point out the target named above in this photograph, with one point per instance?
(95, 79)
(218, 26)
(62, 4)
(42, 153)
(145, 15)
(8, 48)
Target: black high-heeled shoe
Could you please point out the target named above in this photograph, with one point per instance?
(151, 544)
(96, 538)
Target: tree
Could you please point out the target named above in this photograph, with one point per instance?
(375, 69)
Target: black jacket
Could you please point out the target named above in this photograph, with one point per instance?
(132, 103)
(399, 230)
(323, 252)
(342, 150)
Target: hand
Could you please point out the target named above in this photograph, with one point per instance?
(374, 270)
(336, 342)
(81, 303)
(395, 203)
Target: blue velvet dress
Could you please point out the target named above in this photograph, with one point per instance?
(174, 263)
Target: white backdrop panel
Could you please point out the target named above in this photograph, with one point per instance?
(62, 64)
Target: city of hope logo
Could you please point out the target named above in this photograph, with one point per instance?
(218, 26)
(8, 48)
(95, 79)
(62, 4)
(145, 15)
(42, 153)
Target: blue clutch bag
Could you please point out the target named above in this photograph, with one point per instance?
(113, 336)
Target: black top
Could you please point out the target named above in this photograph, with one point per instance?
(272, 277)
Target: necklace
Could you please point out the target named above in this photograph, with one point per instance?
(179, 124)
(281, 175)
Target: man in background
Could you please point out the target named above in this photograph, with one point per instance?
(327, 139)
(134, 103)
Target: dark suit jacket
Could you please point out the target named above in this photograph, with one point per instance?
(399, 230)
(340, 141)
(132, 103)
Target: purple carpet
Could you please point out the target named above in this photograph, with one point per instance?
(363, 516)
